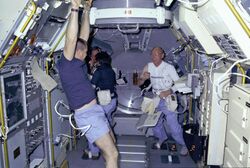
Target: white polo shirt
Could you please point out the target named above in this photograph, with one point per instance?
(162, 77)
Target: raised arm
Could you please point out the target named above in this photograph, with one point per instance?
(85, 29)
(144, 76)
(72, 30)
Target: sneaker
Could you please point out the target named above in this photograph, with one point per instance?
(156, 145)
(172, 147)
(184, 151)
(86, 155)
(95, 157)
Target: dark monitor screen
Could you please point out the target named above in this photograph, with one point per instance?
(14, 99)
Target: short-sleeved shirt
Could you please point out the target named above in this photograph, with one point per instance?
(163, 76)
(104, 78)
(75, 82)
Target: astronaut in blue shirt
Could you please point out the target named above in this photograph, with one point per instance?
(104, 78)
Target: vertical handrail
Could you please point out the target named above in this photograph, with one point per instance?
(50, 119)
(53, 49)
(49, 103)
(51, 129)
(243, 81)
(2, 118)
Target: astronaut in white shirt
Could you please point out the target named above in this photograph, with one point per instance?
(162, 76)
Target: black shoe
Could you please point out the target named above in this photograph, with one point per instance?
(156, 145)
(96, 157)
(164, 146)
(172, 147)
(85, 155)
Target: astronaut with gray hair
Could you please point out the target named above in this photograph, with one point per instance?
(162, 76)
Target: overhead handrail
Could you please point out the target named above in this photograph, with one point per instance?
(128, 29)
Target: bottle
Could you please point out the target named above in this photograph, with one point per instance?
(135, 78)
